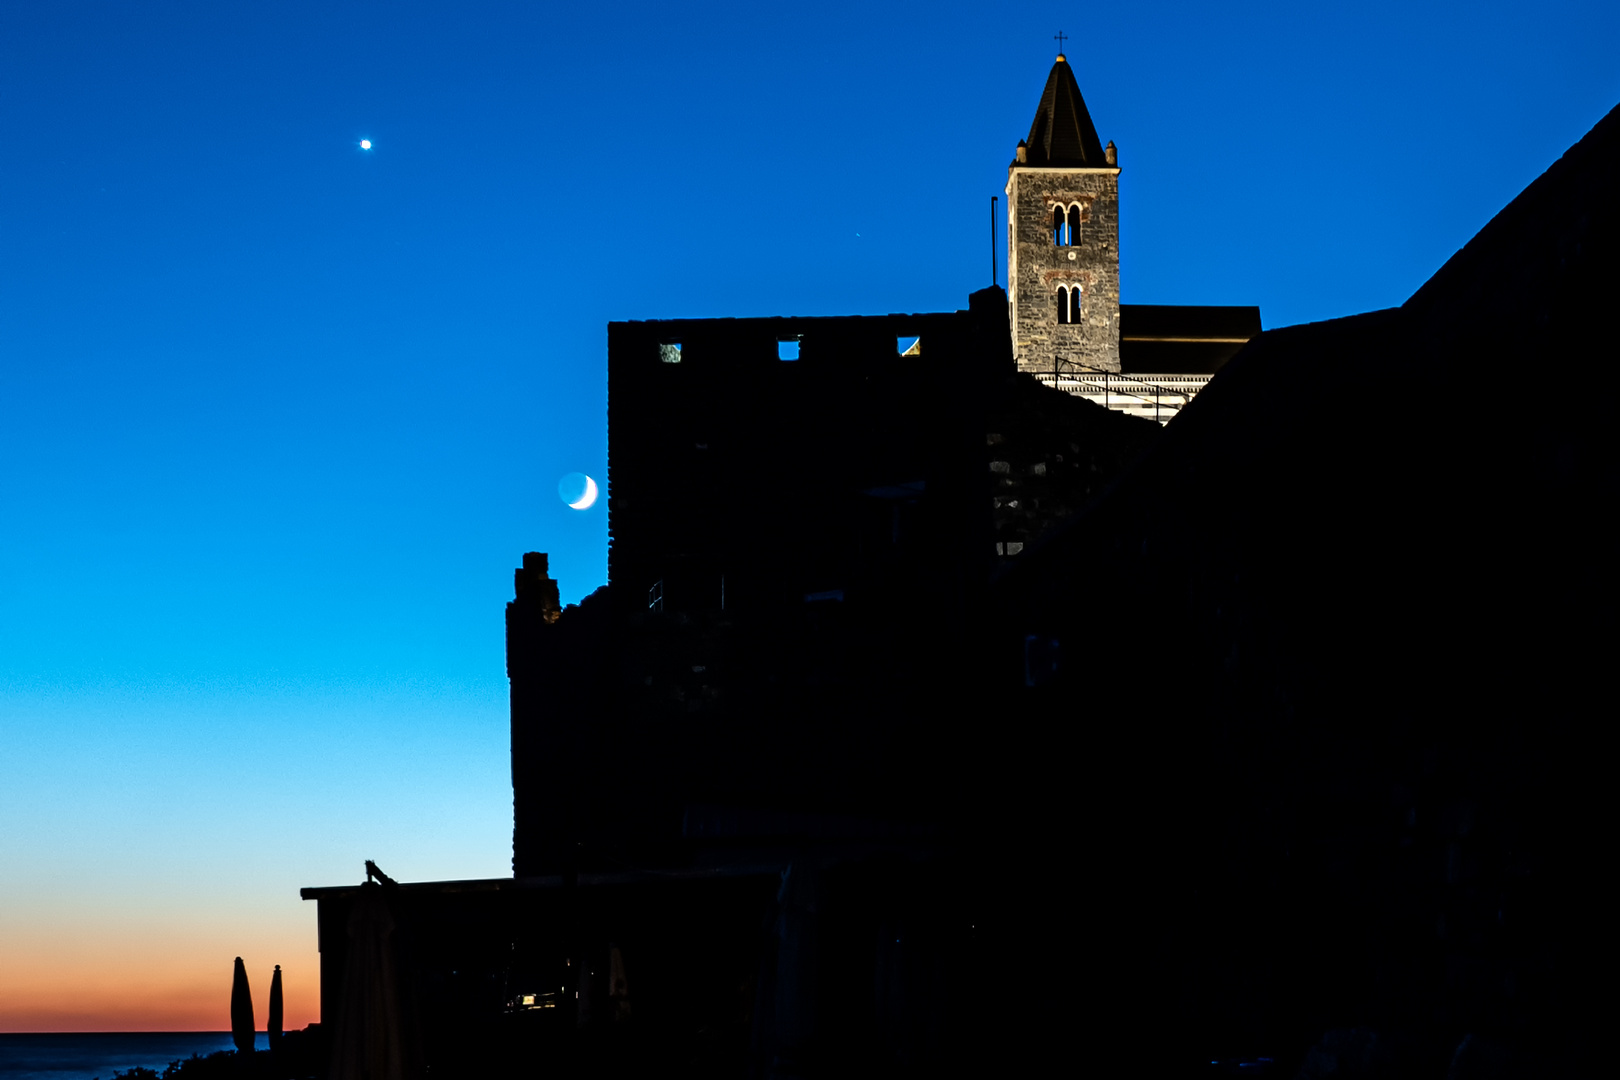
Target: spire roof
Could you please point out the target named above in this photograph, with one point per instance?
(1062, 134)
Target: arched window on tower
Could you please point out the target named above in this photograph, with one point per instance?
(1068, 304)
(1060, 227)
(1074, 223)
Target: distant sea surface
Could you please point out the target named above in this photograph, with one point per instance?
(88, 1055)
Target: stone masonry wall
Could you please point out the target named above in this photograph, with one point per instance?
(1037, 267)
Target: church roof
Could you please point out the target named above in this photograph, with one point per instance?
(1062, 134)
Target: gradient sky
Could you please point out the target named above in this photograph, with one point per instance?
(278, 416)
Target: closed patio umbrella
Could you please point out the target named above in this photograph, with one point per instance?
(273, 1021)
(241, 1011)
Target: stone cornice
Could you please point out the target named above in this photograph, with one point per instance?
(1017, 168)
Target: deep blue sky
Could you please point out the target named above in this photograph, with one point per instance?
(278, 416)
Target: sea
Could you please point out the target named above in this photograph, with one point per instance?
(95, 1055)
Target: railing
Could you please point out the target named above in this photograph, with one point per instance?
(1159, 397)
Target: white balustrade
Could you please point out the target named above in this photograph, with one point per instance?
(1157, 397)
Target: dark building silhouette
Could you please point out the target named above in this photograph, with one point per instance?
(1171, 339)
(746, 773)
(934, 721)
(800, 551)
(780, 683)
(1344, 783)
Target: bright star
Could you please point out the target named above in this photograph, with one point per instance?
(365, 144)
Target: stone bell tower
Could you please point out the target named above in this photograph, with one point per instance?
(1063, 237)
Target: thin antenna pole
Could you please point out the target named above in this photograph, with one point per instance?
(993, 274)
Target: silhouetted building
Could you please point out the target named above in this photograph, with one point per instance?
(742, 772)
(1343, 782)
(936, 722)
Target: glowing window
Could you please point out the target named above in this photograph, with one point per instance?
(787, 349)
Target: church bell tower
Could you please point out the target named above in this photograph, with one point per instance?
(1063, 237)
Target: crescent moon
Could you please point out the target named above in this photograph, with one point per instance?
(586, 499)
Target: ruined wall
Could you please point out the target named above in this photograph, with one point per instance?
(780, 478)
(798, 548)
(1036, 267)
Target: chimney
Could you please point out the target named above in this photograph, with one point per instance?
(534, 584)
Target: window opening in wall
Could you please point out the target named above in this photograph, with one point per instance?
(1068, 304)
(908, 346)
(1061, 235)
(787, 349)
(1074, 224)
(670, 352)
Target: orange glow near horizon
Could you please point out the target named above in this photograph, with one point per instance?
(102, 979)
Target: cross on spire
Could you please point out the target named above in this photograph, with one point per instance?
(1060, 37)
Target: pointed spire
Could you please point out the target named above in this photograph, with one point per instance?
(1062, 134)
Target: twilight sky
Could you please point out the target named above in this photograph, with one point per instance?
(279, 415)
